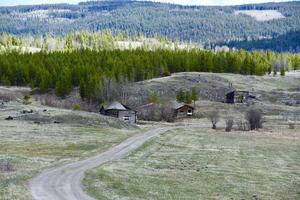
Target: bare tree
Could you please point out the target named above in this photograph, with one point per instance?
(157, 112)
(214, 118)
(279, 64)
(167, 113)
(229, 124)
(254, 118)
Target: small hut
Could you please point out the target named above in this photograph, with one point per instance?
(121, 111)
(238, 97)
(183, 110)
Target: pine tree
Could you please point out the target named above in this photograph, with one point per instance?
(194, 95)
(64, 83)
(282, 71)
(188, 97)
(180, 97)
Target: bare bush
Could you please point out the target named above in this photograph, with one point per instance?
(6, 165)
(254, 118)
(291, 119)
(167, 113)
(214, 117)
(149, 112)
(292, 125)
(242, 125)
(48, 100)
(229, 124)
(156, 112)
(6, 97)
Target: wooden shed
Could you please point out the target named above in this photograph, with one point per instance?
(183, 110)
(121, 111)
(237, 96)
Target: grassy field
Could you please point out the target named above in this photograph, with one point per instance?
(205, 164)
(32, 142)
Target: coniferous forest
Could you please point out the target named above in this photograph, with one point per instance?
(92, 70)
(199, 24)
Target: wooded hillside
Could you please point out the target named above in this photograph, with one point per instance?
(96, 72)
(205, 25)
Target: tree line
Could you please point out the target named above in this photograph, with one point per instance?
(96, 73)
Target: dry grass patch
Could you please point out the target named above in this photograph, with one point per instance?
(204, 164)
(30, 147)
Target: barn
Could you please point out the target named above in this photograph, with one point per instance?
(121, 111)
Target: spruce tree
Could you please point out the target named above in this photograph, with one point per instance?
(194, 95)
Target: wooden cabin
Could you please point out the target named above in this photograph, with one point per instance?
(121, 111)
(183, 110)
(238, 97)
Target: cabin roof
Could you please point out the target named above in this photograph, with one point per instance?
(237, 91)
(116, 106)
(177, 105)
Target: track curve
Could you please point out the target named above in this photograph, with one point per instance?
(64, 183)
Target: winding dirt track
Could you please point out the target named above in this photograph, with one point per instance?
(64, 183)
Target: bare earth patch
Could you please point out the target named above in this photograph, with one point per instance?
(261, 15)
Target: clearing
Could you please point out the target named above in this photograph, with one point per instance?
(261, 15)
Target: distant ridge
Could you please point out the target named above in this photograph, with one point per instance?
(205, 25)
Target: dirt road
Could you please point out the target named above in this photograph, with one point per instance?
(64, 183)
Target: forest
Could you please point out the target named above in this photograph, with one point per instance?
(94, 72)
(289, 42)
(199, 24)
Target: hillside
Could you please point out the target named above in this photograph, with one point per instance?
(199, 24)
(273, 91)
(50, 137)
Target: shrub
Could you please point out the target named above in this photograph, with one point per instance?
(154, 98)
(214, 118)
(229, 124)
(6, 165)
(291, 125)
(156, 112)
(242, 125)
(27, 99)
(48, 100)
(6, 97)
(150, 113)
(76, 107)
(254, 118)
(282, 72)
(167, 113)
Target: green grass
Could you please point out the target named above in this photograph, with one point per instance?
(204, 164)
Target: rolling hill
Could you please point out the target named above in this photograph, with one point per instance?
(205, 25)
